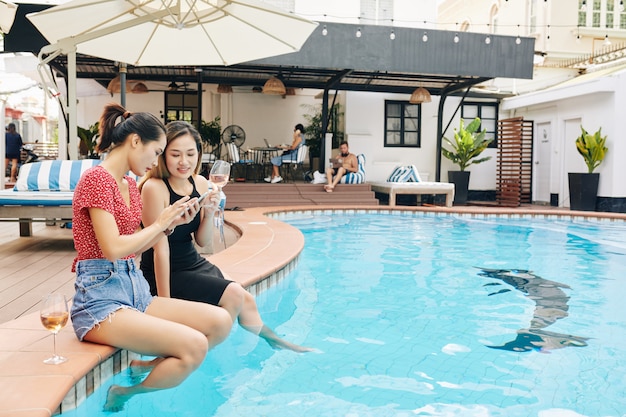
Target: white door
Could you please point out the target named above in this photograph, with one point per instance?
(541, 171)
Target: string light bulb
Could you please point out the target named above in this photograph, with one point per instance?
(621, 5)
(518, 40)
(456, 38)
(324, 31)
(425, 37)
(392, 35)
(358, 33)
(606, 42)
(488, 40)
(583, 6)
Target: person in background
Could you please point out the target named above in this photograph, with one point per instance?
(13, 149)
(344, 163)
(173, 267)
(112, 304)
(287, 155)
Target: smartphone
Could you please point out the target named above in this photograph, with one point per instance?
(202, 197)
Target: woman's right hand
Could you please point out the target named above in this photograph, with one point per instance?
(181, 212)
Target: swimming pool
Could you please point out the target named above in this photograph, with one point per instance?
(427, 315)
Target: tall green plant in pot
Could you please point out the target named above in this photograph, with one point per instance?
(313, 130)
(469, 142)
(88, 141)
(211, 133)
(583, 187)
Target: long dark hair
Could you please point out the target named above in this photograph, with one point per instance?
(114, 132)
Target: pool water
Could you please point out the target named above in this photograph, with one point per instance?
(415, 314)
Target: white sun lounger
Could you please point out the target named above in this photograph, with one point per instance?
(406, 180)
(414, 188)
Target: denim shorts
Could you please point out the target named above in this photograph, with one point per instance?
(102, 288)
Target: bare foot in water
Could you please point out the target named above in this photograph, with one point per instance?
(116, 398)
(282, 344)
(138, 367)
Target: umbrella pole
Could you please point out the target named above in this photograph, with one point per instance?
(71, 98)
(123, 84)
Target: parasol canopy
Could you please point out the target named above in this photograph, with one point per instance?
(7, 15)
(173, 32)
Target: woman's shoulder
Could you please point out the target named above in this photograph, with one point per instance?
(202, 184)
(154, 185)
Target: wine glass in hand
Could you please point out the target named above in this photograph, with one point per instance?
(220, 172)
(54, 315)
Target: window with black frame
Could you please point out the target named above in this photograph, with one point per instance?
(181, 105)
(403, 124)
(488, 114)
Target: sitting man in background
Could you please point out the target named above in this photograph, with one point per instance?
(345, 162)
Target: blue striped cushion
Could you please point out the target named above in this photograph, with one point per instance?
(54, 175)
(355, 177)
(407, 173)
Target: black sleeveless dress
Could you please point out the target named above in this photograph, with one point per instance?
(192, 277)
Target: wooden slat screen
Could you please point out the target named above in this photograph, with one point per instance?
(514, 165)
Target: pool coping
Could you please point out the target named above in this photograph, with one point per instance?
(266, 252)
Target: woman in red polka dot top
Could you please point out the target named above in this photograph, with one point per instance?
(113, 304)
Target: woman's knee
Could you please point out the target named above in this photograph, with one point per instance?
(233, 296)
(196, 346)
(221, 324)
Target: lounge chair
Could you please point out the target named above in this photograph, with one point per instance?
(406, 180)
(43, 192)
(355, 177)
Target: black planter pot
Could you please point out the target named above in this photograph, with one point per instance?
(460, 179)
(583, 191)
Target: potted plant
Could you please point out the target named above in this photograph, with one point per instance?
(88, 140)
(583, 187)
(313, 131)
(468, 144)
(211, 133)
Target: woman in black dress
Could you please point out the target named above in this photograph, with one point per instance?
(173, 267)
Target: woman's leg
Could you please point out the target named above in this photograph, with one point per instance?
(241, 304)
(179, 342)
(14, 170)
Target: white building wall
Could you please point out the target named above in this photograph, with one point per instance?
(593, 110)
(365, 127)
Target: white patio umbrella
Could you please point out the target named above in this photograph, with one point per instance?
(7, 15)
(174, 32)
(165, 32)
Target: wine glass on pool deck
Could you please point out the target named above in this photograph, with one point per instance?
(219, 175)
(54, 314)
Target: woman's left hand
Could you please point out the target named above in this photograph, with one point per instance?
(212, 202)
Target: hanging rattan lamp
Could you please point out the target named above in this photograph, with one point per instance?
(115, 85)
(274, 86)
(420, 95)
(224, 89)
(139, 88)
